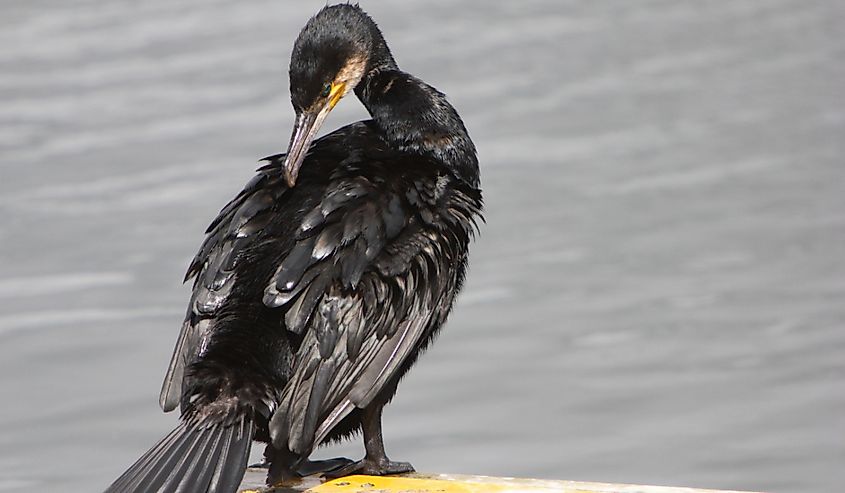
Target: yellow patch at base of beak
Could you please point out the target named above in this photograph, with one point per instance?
(338, 90)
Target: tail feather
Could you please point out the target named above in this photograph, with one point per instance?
(201, 469)
(229, 478)
(213, 464)
(143, 467)
(194, 457)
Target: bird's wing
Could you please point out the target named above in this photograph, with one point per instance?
(213, 271)
(362, 284)
(343, 364)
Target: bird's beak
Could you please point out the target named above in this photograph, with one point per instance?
(308, 123)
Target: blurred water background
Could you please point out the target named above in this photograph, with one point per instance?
(658, 295)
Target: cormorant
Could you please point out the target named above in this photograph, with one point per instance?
(319, 284)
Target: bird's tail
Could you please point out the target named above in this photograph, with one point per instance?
(196, 456)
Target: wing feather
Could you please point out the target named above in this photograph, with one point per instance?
(214, 272)
(367, 310)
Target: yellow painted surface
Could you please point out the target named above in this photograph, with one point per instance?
(442, 483)
(448, 483)
(385, 484)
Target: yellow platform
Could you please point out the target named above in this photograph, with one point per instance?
(451, 483)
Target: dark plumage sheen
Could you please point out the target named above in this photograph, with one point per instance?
(320, 283)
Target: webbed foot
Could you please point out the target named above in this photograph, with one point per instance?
(326, 466)
(280, 474)
(371, 468)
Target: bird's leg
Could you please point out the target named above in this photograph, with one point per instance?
(375, 462)
(279, 466)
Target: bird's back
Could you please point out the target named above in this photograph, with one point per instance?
(325, 289)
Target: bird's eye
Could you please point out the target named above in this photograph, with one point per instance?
(327, 89)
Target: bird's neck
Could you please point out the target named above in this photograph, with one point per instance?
(416, 118)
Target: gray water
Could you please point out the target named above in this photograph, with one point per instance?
(658, 295)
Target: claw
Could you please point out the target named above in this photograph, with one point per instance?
(264, 464)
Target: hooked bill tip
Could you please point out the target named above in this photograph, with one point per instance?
(290, 179)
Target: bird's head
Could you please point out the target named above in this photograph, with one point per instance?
(335, 50)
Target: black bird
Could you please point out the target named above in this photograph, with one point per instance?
(320, 283)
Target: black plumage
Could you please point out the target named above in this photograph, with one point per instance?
(320, 283)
